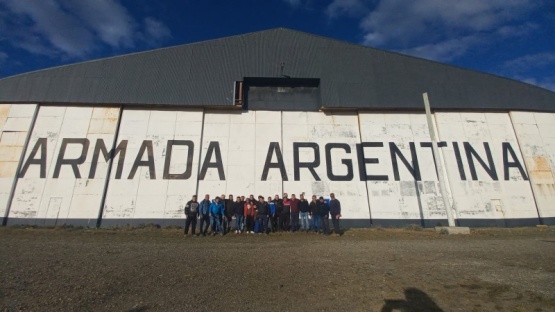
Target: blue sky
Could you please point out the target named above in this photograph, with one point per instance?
(511, 38)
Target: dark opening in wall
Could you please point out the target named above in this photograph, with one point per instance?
(293, 94)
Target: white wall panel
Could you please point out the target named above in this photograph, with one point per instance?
(484, 197)
(321, 129)
(154, 197)
(536, 136)
(56, 200)
(405, 198)
(15, 121)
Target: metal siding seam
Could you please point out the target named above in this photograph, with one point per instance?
(540, 218)
(363, 164)
(21, 158)
(109, 171)
(200, 151)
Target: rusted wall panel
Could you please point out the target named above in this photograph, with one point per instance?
(149, 194)
(15, 121)
(536, 136)
(64, 194)
(497, 189)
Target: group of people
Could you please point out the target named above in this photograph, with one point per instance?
(262, 216)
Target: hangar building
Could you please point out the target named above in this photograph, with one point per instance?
(129, 139)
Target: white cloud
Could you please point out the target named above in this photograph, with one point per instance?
(436, 29)
(74, 29)
(156, 30)
(445, 51)
(346, 7)
(293, 3)
(526, 62)
(3, 57)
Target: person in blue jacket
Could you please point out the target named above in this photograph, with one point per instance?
(204, 214)
(216, 213)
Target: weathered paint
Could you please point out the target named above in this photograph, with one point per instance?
(380, 165)
(15, 121)
(536, 138)
(482, 196)
(53, 200)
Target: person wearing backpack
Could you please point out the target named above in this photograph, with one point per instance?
(191, 215)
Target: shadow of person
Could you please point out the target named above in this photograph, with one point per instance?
(416, 301)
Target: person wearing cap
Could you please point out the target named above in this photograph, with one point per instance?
(191, 215)
(335, 211)
(325, 216)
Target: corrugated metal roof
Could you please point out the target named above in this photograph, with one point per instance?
(203, 74)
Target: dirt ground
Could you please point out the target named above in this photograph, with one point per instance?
(151, 269)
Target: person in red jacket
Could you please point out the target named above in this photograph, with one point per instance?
(250, 213)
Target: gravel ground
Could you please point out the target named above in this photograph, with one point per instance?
(153, 269)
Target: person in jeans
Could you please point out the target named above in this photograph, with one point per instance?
(204, 214)
(216, 213)
(325, 216)
(263, 213)
(279, 208)
(238, 210)
(273, 212)
(335, 211)
(191, 214)
(294, 202)
(229, 211)
(304, 209)
(315, 213)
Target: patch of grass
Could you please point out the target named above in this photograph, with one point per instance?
(413, 227)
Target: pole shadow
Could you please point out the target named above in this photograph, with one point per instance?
(416, 301)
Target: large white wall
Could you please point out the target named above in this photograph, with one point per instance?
(536, 137)
(404, 198)
(240, 143)
(67, 198)
(144, 198)
(484, 197)
(15, 122)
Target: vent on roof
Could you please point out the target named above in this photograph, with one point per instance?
(294, 94)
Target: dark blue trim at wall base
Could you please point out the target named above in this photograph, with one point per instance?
(498, 222)
(548, 221)
(52, 222)
(345, 223)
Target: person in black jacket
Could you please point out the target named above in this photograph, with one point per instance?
(304, 209)
(263, 213)
(229, 212)
(315, 213)
(239, 212)
(325, 216)
(335, 210)
(275, 218)
(191, 215)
